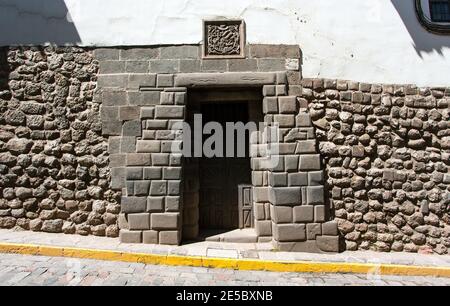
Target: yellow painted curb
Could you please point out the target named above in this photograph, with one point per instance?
(235, 264)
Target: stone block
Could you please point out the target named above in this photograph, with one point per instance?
(117, 178)
(136, 81)
(263, 228)
(117, 160)
(139, 221)
(309, 162)
(129, 113)
(190, 66)
(134, 173)
(330, 228)
(148, 146)
(285, 195)
(141, 188)
(150, 237)
(143, 98)
(139, 54)
(133, 204)
(313, 230)
(147, 112)
(127, 236)
(289, 232)
(106, 54)
(305, 147)
(155, 204)
(281, 214)
(271, 64)
(172, 204)
(274, 51)
(152, 173)
(180, 52)
(160, 159)
(259, 211)
(236, 65)
(225, 79)
(260, 194)
(328, 243)
(122, 221)
(164, 221)
(315, 178)
(270, 105)
(297, 179)
(278, 179)
(303, 120)
(284, 121)
(112, 81)
(111, 67)
(172, 173)
(291, 163)
(165, 80)
(214, 65)
(158, 188)
(169, 112)
(128, 144)
(138, 159)
(137, 66)
(319, 213)
(315, 195)
(174, 188)
(107, 113)
(281, 90)
(114, 98)
(132, 128)
(169, 237)
(167, 98)
(268, 90)
(156, 124)
(114, 145)
(303, 214)
(287, 105)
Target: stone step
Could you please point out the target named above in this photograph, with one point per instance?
(234, 236)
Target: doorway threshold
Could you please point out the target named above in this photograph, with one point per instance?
(247, 235)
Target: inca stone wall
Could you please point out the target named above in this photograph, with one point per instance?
(387, 154)
(54, 164)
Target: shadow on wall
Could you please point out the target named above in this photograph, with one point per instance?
(4, 75)
(424, 41)
(36, 22)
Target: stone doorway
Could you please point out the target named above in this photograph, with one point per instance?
(211, 194)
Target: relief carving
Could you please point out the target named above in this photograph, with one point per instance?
(223, 39)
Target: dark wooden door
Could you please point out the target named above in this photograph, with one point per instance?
(220, 176)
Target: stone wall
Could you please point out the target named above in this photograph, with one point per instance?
(387, 154)
(54, 164)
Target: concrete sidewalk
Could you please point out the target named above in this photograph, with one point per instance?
(236, 251)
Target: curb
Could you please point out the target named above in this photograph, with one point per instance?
(224, 263)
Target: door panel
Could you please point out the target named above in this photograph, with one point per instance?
(220, 177)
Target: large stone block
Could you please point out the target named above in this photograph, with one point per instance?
(144, 97)
(173, 203)
(224, 79)
(134, 173)
(264, 228)
(315, 195)
(127, 236)
(303, 214)
(141, 188)
(132, 128)
(170, 237)
(180, 52)
(287, 105)
(270, 105)
(135, 81)
(284, 121)
(150, 237)
(319, 213)
(155, 204)
(158, 188)
(261, 194)
(133, 204)
(298, 179)
(172, 173)
(139, 221)
(165, 221)
(278, 179)
(152, 173)
(315, 178)
(289, 232)
(169, 112)
(306, 146)
(330, 228)
(164, 80)
(174, 187)
(285, 196)
(129, 113)
(309, 162)
(138, 159)
(281, 214)
(313, 230)
(160, 159)
(328, 243)
(148, 146)
(139, 54)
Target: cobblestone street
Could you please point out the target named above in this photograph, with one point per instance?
(41, 270)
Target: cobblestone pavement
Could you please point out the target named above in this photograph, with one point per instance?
(41, 270)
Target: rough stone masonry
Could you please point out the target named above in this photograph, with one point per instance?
(86, 148)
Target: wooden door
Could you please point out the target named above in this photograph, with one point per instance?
(220, 176)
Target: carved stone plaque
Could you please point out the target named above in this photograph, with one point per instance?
(223, 39)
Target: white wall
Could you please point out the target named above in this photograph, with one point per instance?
(371, 40)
